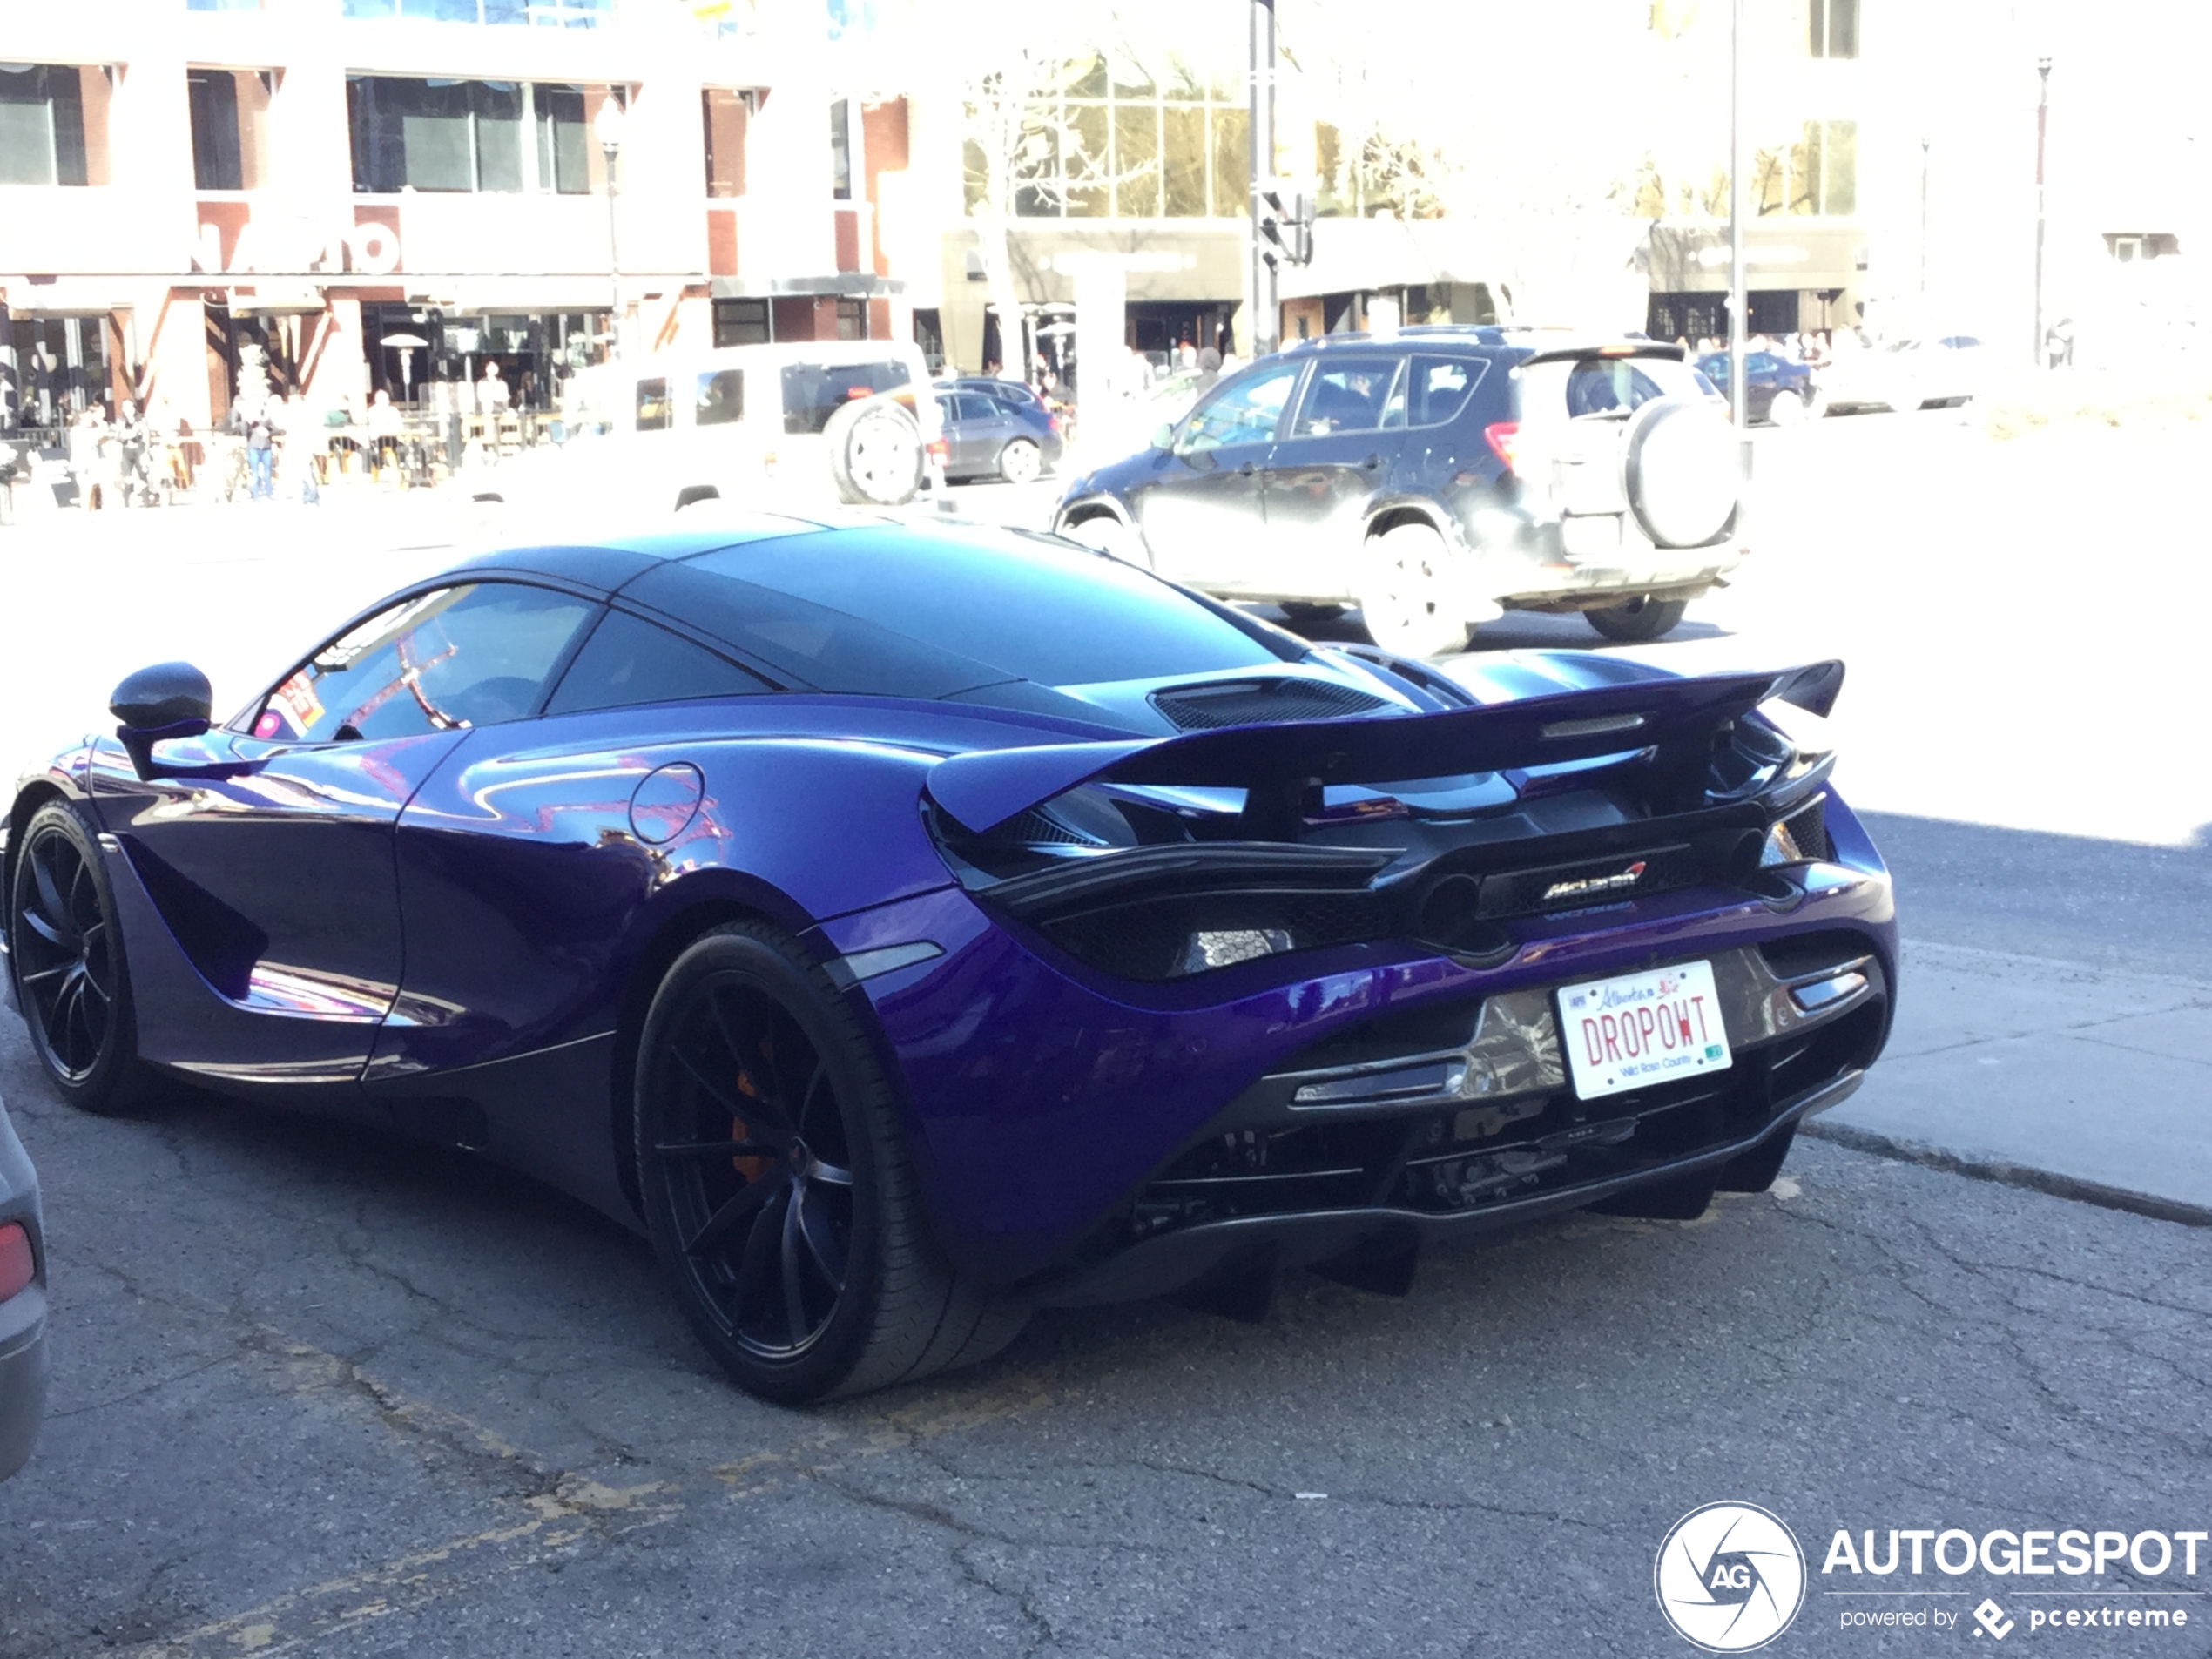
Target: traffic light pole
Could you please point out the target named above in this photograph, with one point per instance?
(1266, 308)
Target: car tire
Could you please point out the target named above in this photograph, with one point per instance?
(1301, 610)
(1789, 408)
(67, 958)
(800, 1256)
(1020, 461)
(876, 455)
(1406, 596)
(1683, 473)
(1639, 618)
(1108, 535)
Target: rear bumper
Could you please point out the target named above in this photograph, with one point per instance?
(1044, 1101)
(23, 1377)
(1262, 1243)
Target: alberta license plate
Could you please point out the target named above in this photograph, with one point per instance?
(1641, 1028)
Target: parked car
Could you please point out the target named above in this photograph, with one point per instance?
(1437, 480)
(1776, 388)
(1915, 372)
(800, 423)
(988, 437)
(23, 1297)
(994, 386)
(908, 926)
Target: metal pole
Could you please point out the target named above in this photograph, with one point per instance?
(2042, 123)
(614, 259)
(1266, 322)
(1737, 298)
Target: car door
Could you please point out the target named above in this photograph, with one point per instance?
(1762, 378)
(267, 845)
(1201, 505)
(1337, 454)
(985, 426)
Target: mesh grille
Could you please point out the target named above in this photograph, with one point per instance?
(1207, 708)
(1808, 827)
(1147, 941)
(1034, 829)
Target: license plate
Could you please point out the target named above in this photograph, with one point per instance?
(1641, 1028)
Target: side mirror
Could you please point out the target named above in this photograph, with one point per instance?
(168, 694)
(1164, 435)
(168, 700)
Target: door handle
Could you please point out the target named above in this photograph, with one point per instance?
(1372, 463)
(1247, 470)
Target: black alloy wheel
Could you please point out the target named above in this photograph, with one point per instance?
(68, 963)
(776, 1189)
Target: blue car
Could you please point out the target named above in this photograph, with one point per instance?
(1776, 388)
(910, 927)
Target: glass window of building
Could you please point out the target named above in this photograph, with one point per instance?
(742, 322)
(1818, 175)
(1120, 141)
(230, 111)
(467, 136)
(725, 114)
(43, 122)
(841, 149)
(1835, 28)
(541, 14)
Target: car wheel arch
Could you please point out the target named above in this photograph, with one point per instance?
(1395, 515)
(697, 906)
(28, 800)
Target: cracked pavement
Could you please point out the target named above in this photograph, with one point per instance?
(320, 1393)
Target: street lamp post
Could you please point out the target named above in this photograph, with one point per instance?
(2042, 123)
(1266, 318)
(1738, 297)
(607, 125)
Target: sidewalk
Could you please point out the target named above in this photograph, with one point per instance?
(2069, 1079)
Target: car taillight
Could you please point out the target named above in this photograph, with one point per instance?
(941, 451)
(1052, 422)
(16, 1269)
(1502, 436)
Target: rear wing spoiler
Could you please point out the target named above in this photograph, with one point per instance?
(1677, 719)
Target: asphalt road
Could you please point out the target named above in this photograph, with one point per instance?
(320, 1393)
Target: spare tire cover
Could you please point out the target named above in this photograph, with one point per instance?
(1682, 471)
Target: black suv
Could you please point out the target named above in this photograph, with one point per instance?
(1437, 478)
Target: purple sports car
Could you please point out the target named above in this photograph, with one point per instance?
(909, 928)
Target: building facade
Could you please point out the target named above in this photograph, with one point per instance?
(390, 194)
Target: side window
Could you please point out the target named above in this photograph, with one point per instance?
(720, 399)
(1597, 386)
(1437, 389)
(653, 404)
(1245, 411)
(1345, 396)
(1759, 363)
(457, 656)
(628, 661)
(974, 406)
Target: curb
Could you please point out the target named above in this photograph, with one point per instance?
(2011, 1175)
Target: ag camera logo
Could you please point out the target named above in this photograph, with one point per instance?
(1730, 1577)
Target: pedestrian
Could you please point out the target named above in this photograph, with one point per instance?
(260, 458)
(192, 454)
(85, 434)
(491, 392)
(383, 432)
